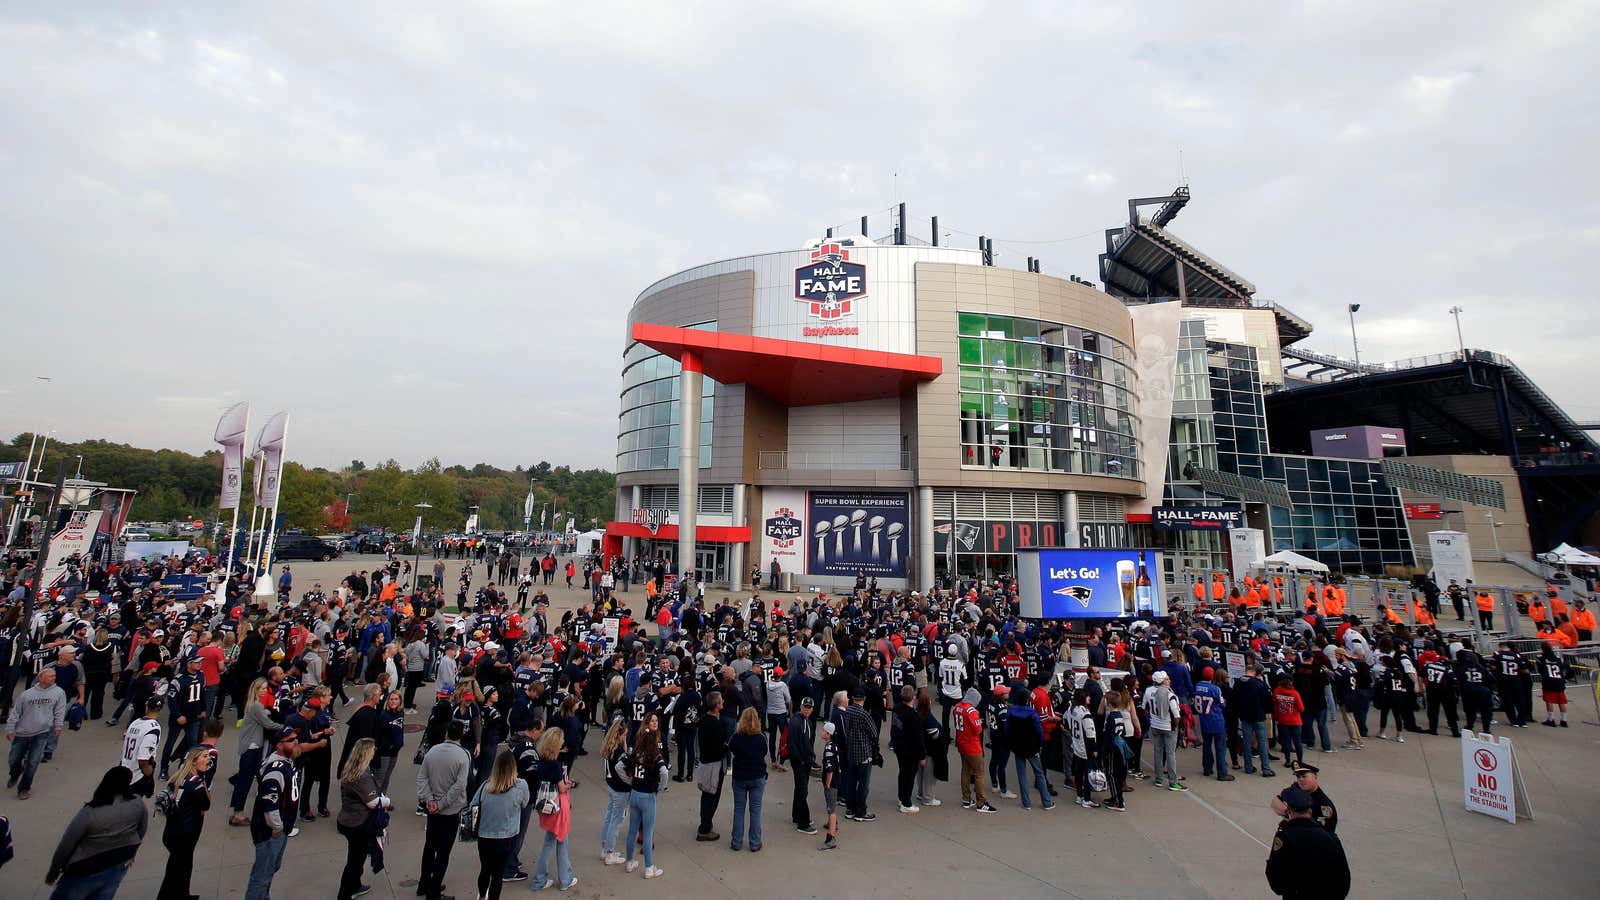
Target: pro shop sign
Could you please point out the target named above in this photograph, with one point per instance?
(830, 283)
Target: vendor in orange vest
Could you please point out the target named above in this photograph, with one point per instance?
(1333, 603)
(1420, 610)
(1583, 622)
(1199, 590)
(1485, 610)
(1558, 606)
(1565, 627)
(1255, 596)
(1389, 616)
(1311, 593)
(1537, 612)
(1218, 589)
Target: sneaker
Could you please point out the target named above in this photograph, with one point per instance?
(1088, 804)
(518, 875)
(705, 838)
(932, 801)
(1563, 723)
(1399, 739)
(910, 810)
(1381, 736)
(1246, 771)
(1116, 807)
(294, 832)
(112, 723)
(1268, 773)
(967, 804)
(1549, 723)
(653, 872)
(806, 829)
(573, 883)
(1350, 745)
(1140, 775)
(1048, 806)
(411, 710)
(829, 844)
(1227, 778)
(1177, 787)
(362, 889)
(633, 866)
(1008, 795)
(869, 817)
(614, 859)
(851, 817)
(1160, 782)
(985, 808)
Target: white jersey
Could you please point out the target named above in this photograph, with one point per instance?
(141, 742)
(950, 674)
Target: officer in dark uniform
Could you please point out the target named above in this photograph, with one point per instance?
(1441, 684)
(1323, 812)
(1307, 860)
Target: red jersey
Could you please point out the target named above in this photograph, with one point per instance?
(1047, 712)
(968, 727)
(1287, 705)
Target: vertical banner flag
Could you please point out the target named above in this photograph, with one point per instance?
(271, 446)
(260, 460)
(416, 533)
(230, 434)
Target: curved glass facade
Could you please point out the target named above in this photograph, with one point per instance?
(649, 434)
(1046, 397)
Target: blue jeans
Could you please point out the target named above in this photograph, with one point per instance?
(1254, 734)
(1318, 722)
(1214, 746)
(541, 875)
(269, 856)
(642, 824)
(616, 810)
(25, 755)
(1024, 764)
(102, 884)
(1358, 702)
(513, 862)
(1289, 739)
(747, 792)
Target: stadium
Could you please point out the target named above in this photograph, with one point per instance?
(905, 410)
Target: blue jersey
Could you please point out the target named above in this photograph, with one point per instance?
(1208, 704)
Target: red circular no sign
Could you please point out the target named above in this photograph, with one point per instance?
(1485, 760)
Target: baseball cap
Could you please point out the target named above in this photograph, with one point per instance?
(1296, 799)
(858, 693)
(284, 734)
(1159, 677)
(807, 702)
(1306, 769)
(828, 728)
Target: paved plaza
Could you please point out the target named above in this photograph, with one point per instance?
(1401, 813)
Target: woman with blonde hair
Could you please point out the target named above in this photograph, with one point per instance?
(186, 817)
(499, 801)
(253, 746)
(748, 749)
(360, 799)
(614, 751)
(557, 822)
(615, 699)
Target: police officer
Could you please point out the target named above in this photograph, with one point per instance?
(1307, 860)
(1323, 812)
(1441, 686)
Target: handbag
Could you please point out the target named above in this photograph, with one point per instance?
(548, 801)
(469, 818)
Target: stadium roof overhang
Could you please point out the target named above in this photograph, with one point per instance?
(1451, 408)
(794, 373)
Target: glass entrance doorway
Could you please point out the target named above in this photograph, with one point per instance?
(711, 563)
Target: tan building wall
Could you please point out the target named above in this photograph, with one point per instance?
(945, 289)
(1510, 525)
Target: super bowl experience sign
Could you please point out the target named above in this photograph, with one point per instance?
(1088, 584)
(858, 531)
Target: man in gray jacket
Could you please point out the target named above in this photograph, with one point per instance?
(442, 790)
(416, 670)
(36, 717)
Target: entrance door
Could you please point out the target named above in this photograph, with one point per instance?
(708, 564)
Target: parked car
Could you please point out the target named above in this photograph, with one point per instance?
(303, 546)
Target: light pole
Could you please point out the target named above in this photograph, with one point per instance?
(416, 545)
(1494, 532)
(1461, 344)
(38, 468)
(79, 476)
(1354, 344)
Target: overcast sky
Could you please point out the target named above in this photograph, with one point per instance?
(419, 227)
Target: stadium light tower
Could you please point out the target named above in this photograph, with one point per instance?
(1354, 345)
(1460, 343)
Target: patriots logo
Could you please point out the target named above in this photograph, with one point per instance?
(1077, 592)
(830, 283)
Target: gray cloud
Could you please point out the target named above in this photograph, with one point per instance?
(420, 230)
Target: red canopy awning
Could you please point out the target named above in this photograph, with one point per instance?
(795, 373)
(712, 534)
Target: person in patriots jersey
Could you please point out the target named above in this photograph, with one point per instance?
(188, 709)
(141, 745)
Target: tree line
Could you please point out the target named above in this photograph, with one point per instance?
(174, 486)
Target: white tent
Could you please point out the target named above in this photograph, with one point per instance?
(1288, 559)
(1568, 555)
(588, 542)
